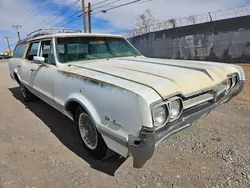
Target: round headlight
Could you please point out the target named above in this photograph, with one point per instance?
(234, 81)
(175, 108)
(160, 115)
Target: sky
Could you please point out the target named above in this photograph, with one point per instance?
(36, 14)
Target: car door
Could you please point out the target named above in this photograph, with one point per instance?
(42, 79)
(27, 66)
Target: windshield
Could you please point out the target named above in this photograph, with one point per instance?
(89, 48)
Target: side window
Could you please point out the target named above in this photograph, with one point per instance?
(32, 51)
(19, 50)
(61, 51)
(46, 51)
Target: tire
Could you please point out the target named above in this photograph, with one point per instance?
(90, 137)
(27, 95)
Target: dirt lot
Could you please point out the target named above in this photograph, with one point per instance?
(39, 147)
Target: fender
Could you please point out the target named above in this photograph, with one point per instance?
(86, 104)
(112, 139)
(240, 72)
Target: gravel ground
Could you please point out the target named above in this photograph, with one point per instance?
(39, 147)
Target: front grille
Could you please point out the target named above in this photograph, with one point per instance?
(210, 96)
(220, 96)
(198, 107)
(191, 102)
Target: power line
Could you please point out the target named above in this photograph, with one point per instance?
(34, 8)
(67, 18)
(73, 4)
(77, 12)
(26, 12)
(107, 4)
(70, 20)
(79, 16)
(105, 11)
(99, 3)
(101, 6)
(41, 9)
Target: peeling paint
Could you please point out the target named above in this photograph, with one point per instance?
(145, 72)
(222, 41)
(90, 80)
(165, 77)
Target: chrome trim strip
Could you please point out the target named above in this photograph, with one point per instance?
(197, 100)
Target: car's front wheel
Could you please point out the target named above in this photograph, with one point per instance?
(27, 95)
(91, 138)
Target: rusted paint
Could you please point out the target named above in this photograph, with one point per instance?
(185, 67)
(146, 73)
(122, 78)
(92, 80)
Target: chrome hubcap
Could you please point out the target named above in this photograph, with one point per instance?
(88, 131)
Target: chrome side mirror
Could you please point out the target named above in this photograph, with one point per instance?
(39, 60)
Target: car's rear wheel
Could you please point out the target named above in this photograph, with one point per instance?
(90, 137)
(27, 95)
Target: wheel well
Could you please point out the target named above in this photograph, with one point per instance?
(72, 107)
(16, 78)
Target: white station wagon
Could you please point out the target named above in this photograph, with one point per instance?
(119, 99)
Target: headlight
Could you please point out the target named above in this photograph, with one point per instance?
(160, 115)
(175, 108)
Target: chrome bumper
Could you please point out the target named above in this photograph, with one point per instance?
(142, 147)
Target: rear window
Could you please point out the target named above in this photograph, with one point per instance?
(19, 50)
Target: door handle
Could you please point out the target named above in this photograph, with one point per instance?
(32, 70)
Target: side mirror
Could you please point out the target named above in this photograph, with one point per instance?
(39, 60)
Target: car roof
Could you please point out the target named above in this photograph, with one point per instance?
(62, 35)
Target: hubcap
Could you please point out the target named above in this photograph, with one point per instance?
(88, 131)
(23, 90)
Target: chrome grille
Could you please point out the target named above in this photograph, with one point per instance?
(198, 100)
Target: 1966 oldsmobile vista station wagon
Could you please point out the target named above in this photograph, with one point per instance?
(119, 99)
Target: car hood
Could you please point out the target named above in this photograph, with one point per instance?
(165, 76)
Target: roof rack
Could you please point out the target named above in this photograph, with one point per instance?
(41, 32)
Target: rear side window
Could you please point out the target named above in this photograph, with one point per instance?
(19, 50)
(32, 51)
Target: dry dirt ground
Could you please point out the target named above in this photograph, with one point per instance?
(39, 147)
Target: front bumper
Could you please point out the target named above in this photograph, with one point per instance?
(142, 147)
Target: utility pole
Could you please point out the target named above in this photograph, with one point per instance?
(89, 16)
(7, 38)
(17, 27)
(84, 16)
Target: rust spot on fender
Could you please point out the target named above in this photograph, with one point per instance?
(91, 80)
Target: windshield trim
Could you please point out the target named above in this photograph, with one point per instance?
(95, 60)
(87, 60)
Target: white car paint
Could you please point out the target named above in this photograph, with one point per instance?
(118, 93)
